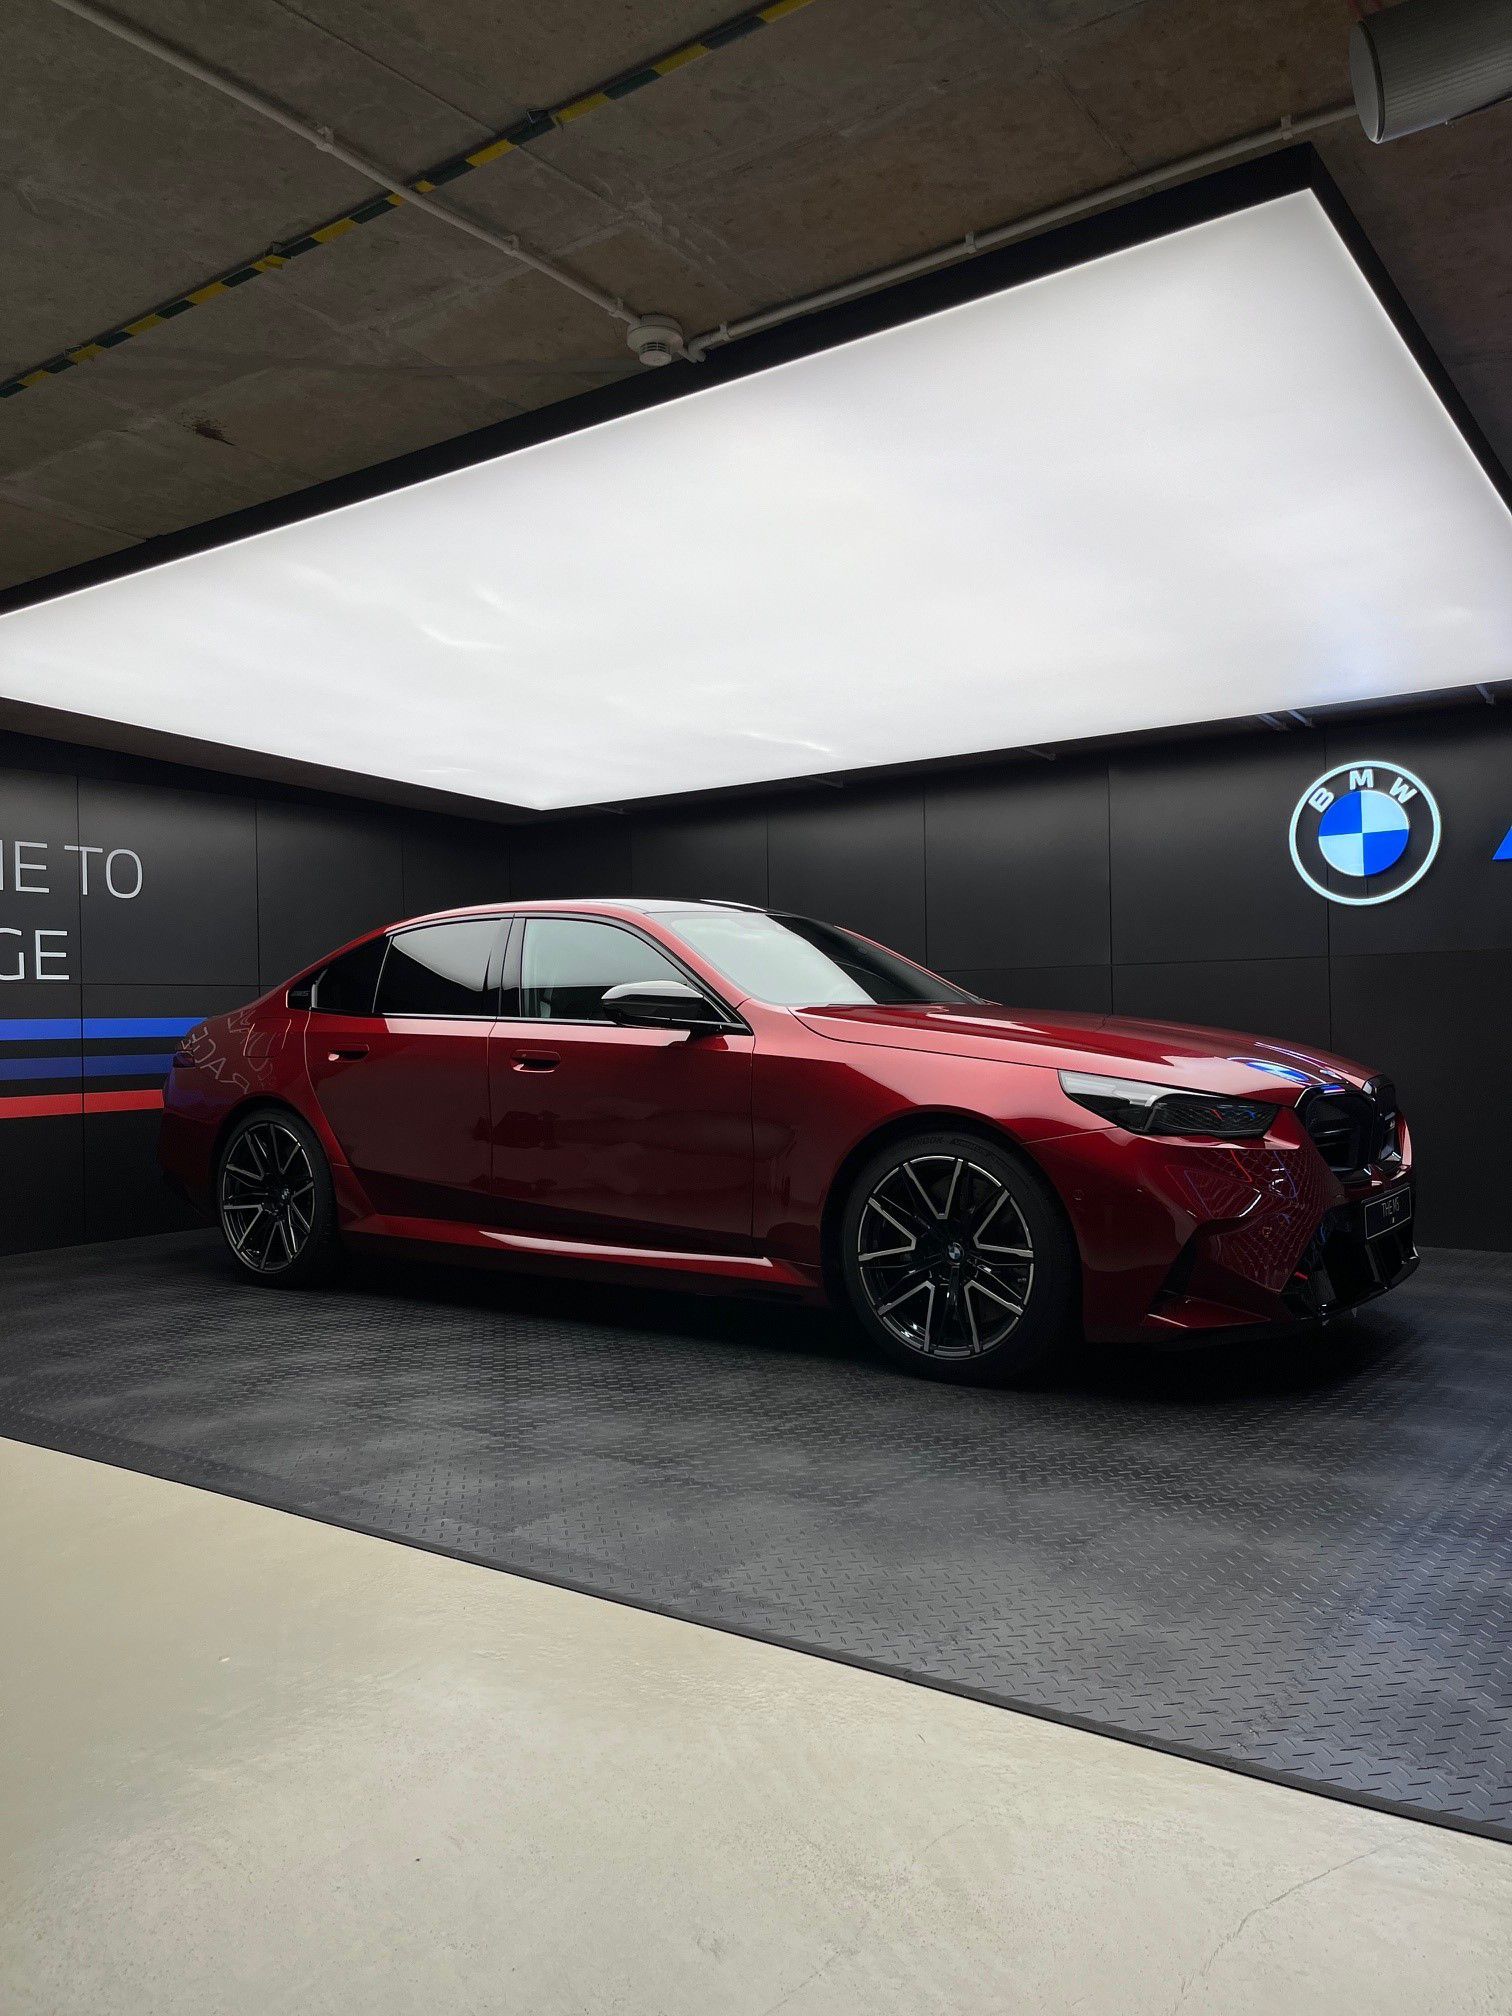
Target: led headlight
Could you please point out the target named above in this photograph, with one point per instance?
(1156, 1109)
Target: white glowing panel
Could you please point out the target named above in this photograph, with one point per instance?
(1195, 479)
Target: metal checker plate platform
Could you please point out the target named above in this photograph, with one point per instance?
(1291, 1559)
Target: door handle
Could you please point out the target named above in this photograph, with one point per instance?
(535, 1060)
(347, 1056)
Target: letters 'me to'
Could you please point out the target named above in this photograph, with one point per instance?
(26, 871)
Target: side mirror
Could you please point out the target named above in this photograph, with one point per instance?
(661, 1004)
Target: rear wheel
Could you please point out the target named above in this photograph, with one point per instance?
(957, 1260)
(274, 1198)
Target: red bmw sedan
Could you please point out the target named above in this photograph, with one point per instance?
(720, 1094)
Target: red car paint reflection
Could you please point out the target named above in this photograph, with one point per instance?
(514, 1120)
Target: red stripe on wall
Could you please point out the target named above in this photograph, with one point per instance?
(46, 1105)
(122, 1102)
(39, 1105)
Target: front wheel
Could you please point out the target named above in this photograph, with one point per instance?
(274, 1199)
(957, 1260)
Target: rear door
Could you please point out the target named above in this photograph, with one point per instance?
(608, 1135)
(405, 1087)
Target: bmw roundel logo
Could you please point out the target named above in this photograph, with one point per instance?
(1364, 832)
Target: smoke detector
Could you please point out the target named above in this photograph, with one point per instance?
(656, 339)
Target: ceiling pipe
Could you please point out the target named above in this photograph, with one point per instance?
(322, 138)
(1282, 134)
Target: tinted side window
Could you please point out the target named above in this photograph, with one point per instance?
(346, 986)
(440, 969)
(568, 962)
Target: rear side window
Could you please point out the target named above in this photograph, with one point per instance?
(440, 969)
(347, 984)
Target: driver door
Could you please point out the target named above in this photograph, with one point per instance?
(611, 1135)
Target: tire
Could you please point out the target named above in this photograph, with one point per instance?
(274, 1200)
(958, 1261)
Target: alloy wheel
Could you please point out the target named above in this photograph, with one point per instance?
(945, 1256)
(267, 1197)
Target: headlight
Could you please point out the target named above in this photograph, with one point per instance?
(1156, 1109)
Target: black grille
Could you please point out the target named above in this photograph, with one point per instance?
(1352, 1129)
(1385, 1146)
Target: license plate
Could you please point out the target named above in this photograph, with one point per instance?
(1389, 1213)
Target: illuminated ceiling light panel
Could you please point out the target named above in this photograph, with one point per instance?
(1198, 478)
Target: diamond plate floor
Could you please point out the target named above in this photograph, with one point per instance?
(1294, 1561)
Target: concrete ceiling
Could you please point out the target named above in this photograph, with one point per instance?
(846, 135)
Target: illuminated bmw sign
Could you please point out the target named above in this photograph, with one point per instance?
(1364, 832)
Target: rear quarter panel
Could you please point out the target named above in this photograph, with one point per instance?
(228, 1062)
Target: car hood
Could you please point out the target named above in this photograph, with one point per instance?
(1162, 1053)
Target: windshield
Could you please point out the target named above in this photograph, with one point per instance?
(792, 962)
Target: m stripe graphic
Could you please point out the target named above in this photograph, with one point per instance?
(52, 1052)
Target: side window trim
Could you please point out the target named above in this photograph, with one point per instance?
(736, 1025)
(509, 971)
(388, 944)
(501, 936)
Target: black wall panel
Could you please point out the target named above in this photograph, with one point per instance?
(41, 1151)
(39, 887)
(1080, 990)
(170, 847)
(42, 1182)
(1200, 864)
(1017, 868)
(449, 862)
(1439, 1025)
(323, 876)
(1285, 997)
(853, 857)
(572, 857)
(712, 854)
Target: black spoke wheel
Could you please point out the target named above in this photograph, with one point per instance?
(957, 1259)
(274, 1198)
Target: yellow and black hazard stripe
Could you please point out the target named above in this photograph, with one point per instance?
(533, 127)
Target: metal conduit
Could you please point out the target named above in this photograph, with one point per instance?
(326, 141)
(1280, 135)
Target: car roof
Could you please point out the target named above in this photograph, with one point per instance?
(608, 906)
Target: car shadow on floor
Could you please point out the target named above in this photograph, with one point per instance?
(1229, 1368)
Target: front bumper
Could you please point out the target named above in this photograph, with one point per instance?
(1346, 1262)
(1180, 1239)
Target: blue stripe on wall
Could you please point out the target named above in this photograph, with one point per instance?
(94, 1028)
(98, 1026)
(144, 1064)
(129, 1065)
(56, 1029)
(66, 1066)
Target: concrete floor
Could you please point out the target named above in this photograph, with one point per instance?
(252, 1763)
